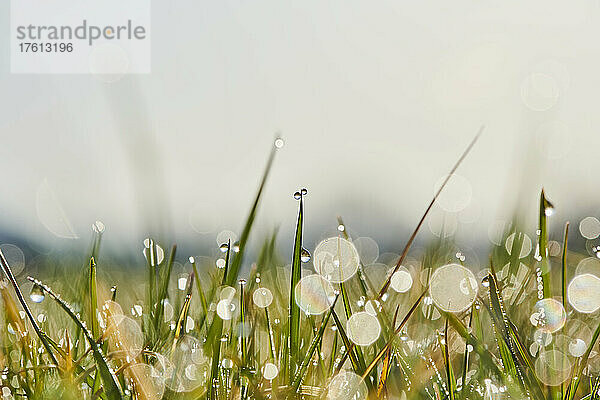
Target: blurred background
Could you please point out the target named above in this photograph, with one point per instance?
(375, 102)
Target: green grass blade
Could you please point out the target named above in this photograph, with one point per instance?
(162, 295)
(93, 299)
(43, 338)
(109, 380)
(311, 349)
(546, 209)
(294, 317)
(236, 263)
(451, 382)
(564, 267)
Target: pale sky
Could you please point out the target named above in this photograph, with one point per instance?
(375, 100)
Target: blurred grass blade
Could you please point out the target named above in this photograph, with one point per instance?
(294, 317)
(109, 380)
(236, 263)
(564, 267)
(162, 295)
(412, 237)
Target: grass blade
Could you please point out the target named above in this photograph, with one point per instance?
(311, 349)
(546, 209)
(294, 317)
(236, 263)
(109, 380)
(412, 237)
(43, 338)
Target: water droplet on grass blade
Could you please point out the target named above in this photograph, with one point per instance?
(37, 294)
(279, 143)
(304, 255)
(297, 196)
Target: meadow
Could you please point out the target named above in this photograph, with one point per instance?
(339, 321)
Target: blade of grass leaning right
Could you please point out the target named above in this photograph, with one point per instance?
(412, 237)
(109, 381)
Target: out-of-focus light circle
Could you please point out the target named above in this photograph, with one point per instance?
(367, 248)
(540, 92)
(270, 371)
(262, 297)
(456, 195)
(549, 315)
(552, 367)
(401, 281)
(588, 265)
(336, 259)
(589, 227)
(346, 386)
(453, 288)
(363, 328)
(225, 236)
(14, 256)
(583, 293)
(314, 294)
(225, 309)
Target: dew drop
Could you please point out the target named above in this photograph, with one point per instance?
(37, 294)
(279, 143)
(297, 196)
(224, 247)
(304, 255)
(304, 192)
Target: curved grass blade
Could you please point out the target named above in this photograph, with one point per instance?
(294, 317)
(43, 338)
(109, 380)
(564, 267)
(412, 237)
